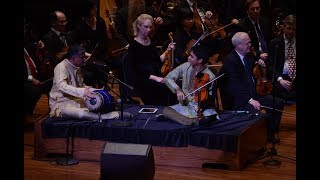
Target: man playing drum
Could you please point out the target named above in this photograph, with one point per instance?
(69, 94)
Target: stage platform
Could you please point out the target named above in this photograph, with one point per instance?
(230, 143)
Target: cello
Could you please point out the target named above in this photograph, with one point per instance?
(169, 62)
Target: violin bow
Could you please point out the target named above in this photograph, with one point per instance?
(220, 28)
(204, 85)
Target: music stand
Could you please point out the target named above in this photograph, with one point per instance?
(68, 160)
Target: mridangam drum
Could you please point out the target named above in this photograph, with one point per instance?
(102, 102)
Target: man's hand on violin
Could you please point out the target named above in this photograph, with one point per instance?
(261, 63)
(263, 56)
(208, 14)
(158, 21)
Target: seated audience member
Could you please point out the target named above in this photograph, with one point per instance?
(240, 86)
(188, 110)
(144, 63)
(283, 54)
(32, 86)
(68, 92)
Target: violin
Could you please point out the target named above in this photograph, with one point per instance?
(169, 62)
(213, 25)
(201, 96)
(264, 86)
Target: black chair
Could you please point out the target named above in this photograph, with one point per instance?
(226, 99)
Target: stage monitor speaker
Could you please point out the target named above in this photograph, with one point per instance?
(122, 161)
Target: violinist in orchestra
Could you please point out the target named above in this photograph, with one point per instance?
(91, 33)
(144, 64)
(238, 87)
(128, 12)
(57, 39)
(205, 21)
(68, 92)
(258, 27)
(184, 35)
(283, 54)
(191, 109)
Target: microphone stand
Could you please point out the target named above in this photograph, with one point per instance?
(121, 123)
(273, 151)
(67, 160)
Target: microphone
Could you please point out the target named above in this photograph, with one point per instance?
(236, 112)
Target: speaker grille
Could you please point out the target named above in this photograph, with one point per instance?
(132, 149)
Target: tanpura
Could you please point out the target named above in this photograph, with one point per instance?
(169, 62)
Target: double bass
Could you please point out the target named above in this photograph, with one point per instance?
(169, 62)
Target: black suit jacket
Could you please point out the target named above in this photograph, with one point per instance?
(237, 85)
(277, 55)
(246, 25)
(53, 45)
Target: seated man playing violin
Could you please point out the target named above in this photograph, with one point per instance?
(240, 87)
(194, 75)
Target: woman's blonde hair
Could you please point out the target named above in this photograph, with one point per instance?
(139, 21)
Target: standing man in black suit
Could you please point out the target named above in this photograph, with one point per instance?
(240, 86)
(283, 55)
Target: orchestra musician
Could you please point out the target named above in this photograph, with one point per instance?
(91, 33)
(258, 27)
(281, 54)
(239, 86)
(144, 64)
(57, 39)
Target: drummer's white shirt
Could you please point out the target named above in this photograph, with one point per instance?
(67, 89)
